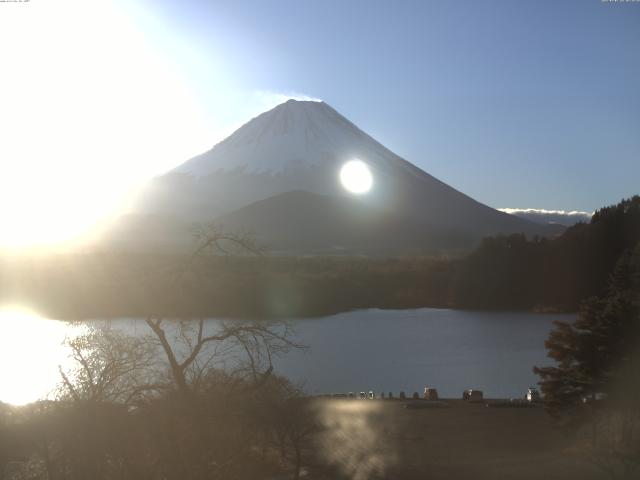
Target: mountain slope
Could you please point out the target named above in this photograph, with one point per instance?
(304, 222)
(301, 146)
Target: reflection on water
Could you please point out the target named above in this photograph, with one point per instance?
(31, 352)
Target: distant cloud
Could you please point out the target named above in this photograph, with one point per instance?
(540, 215)
(268, 99)
(256, 102)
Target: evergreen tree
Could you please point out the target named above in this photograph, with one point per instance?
(592, 352)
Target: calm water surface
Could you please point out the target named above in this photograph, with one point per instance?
(408, 349)
(380, 350)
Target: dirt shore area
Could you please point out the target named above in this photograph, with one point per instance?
(450, 440)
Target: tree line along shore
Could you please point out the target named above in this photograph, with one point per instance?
(504, 272)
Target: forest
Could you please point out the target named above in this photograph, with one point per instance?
(513, 272)
(505, 272)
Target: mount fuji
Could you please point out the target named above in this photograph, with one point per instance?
(278, 177)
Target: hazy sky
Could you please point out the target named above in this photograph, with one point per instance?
(518, 104)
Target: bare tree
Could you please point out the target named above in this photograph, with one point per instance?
(260, 342)
(217, 369)
(190, 348)
(109, 366)
(175, 403)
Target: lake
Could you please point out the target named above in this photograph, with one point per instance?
(394, 350)
(379, 350)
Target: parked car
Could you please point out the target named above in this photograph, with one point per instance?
(472, 395)
(430, 393)
(363, 395)
(372, 396)
(533, 395)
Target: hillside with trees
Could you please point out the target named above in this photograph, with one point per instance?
(513, 272)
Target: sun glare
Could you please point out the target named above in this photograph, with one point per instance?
(89, 111)
(31, 349)
(356, 177)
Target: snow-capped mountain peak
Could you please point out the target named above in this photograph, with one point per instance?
(293, 134)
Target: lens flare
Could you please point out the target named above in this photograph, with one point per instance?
(356, 177)
(31, 349)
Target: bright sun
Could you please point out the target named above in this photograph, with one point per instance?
(356, 177)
